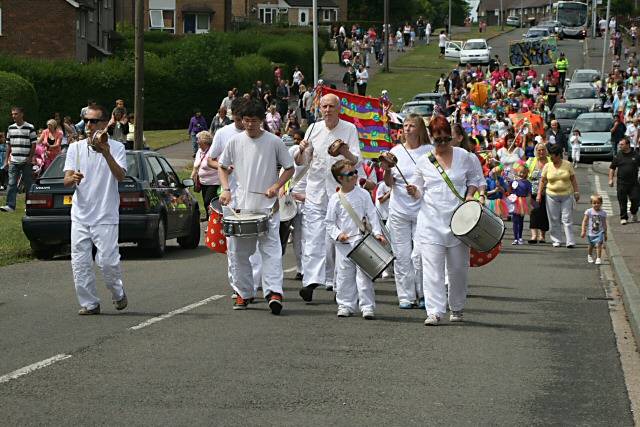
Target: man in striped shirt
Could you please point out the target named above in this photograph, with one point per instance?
(21, 144)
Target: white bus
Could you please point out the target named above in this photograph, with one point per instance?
(573, 17)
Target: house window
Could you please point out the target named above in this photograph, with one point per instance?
(268, 15)
(197, 23)
(162, 15)
(326, 15)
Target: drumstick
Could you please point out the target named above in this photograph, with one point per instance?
(408, 154)
(257, 192)
(401, 174)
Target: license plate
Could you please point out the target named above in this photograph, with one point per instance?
(592, 149)
(67, 200)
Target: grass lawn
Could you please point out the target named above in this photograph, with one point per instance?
(157, 139)
(330, 57)
(14, 246)
(418, 70)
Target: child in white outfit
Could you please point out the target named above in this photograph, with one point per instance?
(576, 141)
(353, 286)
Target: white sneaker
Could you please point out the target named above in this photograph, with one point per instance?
(368, 314)
(589, 259)
(634, 218)
(598, 261)
(622, 221)
(344, 312)
(7, 209)
(432, 320)
(520, 241)
(556, 245)
(456, 316)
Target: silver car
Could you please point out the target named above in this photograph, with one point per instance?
(584, 76)
(582, 94)
(595, 129)
(423, 108)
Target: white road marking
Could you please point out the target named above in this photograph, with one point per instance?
(33, 367)
(606, 202)
(290, 270)
(175, 312)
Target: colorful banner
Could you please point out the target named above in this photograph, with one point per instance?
(525, 53)
(367, 115)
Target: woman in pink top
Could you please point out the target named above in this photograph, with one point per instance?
(207, 176)
(51, 138)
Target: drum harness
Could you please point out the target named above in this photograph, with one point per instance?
(363, 226)
(440, 169)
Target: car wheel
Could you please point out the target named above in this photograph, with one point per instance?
(158, 245)
(192, 240)
(43, 252)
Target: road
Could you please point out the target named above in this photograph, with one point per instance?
(537, 347)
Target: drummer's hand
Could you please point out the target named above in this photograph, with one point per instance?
(225, 198)
(344, 150)
(343, 237)
(539, 199)
(300, 197)
(413, 191)
(470, 198)
(281, 192)
(385, 165)
(271, 191)
(304, 144)
(380, 238)
(369, 185)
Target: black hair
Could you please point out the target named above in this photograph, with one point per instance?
(338, 166)
(253, 108)
(101, 110)
(299, 132)
(18, 109)
(555, 149)
(237, 105)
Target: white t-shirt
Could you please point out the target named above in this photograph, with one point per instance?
(442, 40)
(301, 185)
(383, 208)
(438, 201)
(632, 134)
(297, 77)
(362, 76)
(255, 163)
(320, 183)
(401, 203)
(339, 221)
(428, 29)
(220, 140)
(575, 141)
(96, 201)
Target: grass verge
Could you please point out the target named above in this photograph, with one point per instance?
(157, 139)
(14, 245)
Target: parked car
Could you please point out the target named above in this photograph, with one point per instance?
(566, 114)
(475, 51)
(552, 26)
(155, 205)
(424, 108)
(436, 97)
(596, 136)
(536, 33)
(513, 21)
(452, 49)
(582, 94)
(584, 75)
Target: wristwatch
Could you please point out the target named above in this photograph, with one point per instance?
(226, 189)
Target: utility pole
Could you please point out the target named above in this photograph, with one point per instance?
(593, 19)
(314, 17)
(449, 26)
(605, 42)
(139, 76)
(386, 35)
(521, 14)
(501, 17)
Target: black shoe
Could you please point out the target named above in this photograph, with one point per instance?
(299, 276)
(122, 304)
(532, 241)
(571, 246)
(275, 303)
(307, 292)
(542, 241)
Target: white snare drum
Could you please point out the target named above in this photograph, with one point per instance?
(371, 256)
(477, 226)
(288, 208)
(245, 225)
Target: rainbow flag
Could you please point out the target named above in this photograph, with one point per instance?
(367, 115)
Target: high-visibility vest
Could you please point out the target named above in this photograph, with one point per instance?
(562, 65)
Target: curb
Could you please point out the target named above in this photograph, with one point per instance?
(624, 278)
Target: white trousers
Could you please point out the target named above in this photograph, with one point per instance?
(105, 239)
(330, 261)
(298, 238)
(435, 259)
(575, 153)
(353, 287)
(407, 266)
(268, 247)
(256, 265)
(315, 243)
(560, 213)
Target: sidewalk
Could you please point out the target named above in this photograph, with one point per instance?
(622, 250)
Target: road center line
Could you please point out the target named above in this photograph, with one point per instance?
(175, 312)
(33, 367)
(290, 270)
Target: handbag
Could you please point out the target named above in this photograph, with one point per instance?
(197, 185)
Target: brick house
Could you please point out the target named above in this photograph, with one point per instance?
(57, 29)
(179, 16)
(293, 12)
(488, 10)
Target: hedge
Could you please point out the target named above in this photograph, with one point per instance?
(181, 73)
(15, 91)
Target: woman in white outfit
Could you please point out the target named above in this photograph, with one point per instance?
(438, 247)
(403, 212)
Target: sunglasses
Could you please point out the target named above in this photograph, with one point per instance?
(93, 121)
(352, 173)
(443, 140)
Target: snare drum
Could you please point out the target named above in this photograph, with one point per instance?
(371, 256)
(288, 207)
(246, 225)
(477, 226)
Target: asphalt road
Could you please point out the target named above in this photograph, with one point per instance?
(537, 347)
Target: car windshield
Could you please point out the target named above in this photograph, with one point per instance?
(55, 170)
(580, 93)
(594, 124)
(475, 45)
(567, 112)
(537, 33)
(423, 109)
(584, 77)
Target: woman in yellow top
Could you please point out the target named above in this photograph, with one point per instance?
(538, 220)
(561, 187)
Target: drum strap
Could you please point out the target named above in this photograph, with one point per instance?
(440, 169)
(352, 213)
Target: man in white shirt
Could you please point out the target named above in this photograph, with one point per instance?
(428, 32)
(95, 211)
(602, 25)
(255, 155)
(313, 151)
(227, 101)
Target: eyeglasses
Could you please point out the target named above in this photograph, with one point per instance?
(93, 121)
(352, 173)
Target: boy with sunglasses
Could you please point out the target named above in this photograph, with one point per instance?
(353, 286)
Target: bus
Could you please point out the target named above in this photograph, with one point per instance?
(573, 17)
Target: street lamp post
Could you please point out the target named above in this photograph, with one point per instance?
(386, 32)
(315, 41)
(449, 25)
(501, 14)
(138, 141)
(605, 43)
